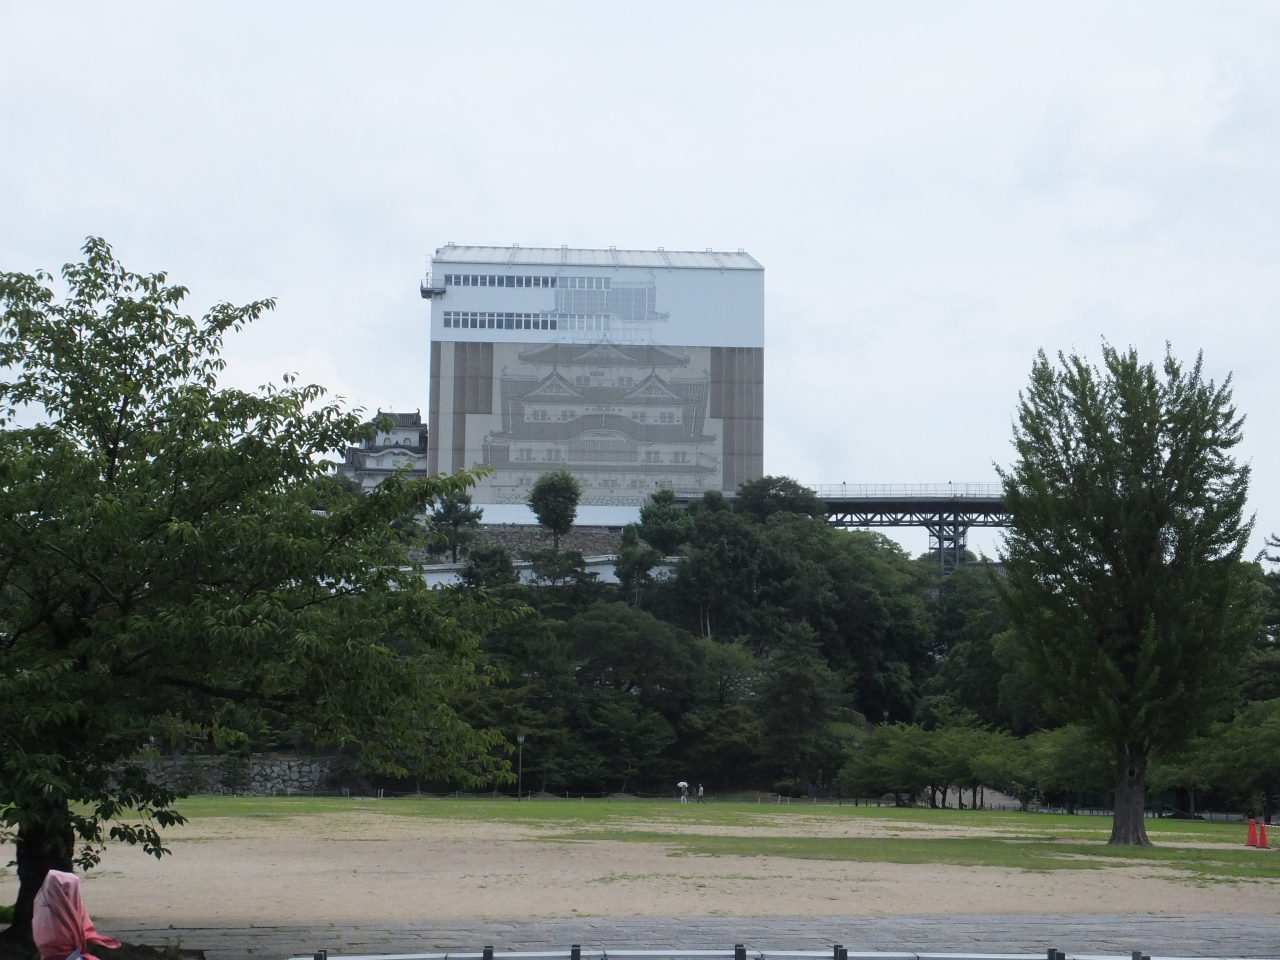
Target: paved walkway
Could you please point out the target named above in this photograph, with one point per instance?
(1185, 936)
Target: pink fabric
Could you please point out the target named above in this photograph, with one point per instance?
(60, 924)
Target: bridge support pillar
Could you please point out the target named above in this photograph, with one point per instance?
(948, 536)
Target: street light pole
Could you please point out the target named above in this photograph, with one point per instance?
(520, 768)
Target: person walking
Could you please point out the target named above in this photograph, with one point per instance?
(700, 793)
(684, 791)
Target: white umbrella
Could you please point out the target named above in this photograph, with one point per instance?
(681, 784)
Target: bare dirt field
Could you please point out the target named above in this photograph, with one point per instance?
(310, 863)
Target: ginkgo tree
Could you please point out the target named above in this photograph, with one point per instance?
(1125, 580)
(176, 560)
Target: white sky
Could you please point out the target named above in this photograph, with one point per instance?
(935, 190)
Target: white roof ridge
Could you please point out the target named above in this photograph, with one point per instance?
(513, 257)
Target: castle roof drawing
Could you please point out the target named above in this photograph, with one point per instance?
(554, 387)
(604, 355)
(651, 389)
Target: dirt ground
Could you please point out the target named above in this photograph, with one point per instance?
(355, 868)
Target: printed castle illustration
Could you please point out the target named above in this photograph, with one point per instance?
(626, 417)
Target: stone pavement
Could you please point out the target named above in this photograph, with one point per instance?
(1172, 936)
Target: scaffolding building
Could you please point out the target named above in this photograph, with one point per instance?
(636, 370)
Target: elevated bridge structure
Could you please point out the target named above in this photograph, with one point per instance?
(947, 510)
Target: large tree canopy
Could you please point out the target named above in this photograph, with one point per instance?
(1125, 587)
(174, 560)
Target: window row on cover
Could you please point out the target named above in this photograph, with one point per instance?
(483, 280)
(555, 454)
(472, 320)
(489, 280)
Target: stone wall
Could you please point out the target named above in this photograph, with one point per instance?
(522, 537)
(259, 776)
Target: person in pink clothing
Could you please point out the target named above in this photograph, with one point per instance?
(60, 925)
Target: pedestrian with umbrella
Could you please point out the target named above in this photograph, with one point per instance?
(684, 791)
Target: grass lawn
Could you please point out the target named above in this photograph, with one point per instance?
(1197, 851)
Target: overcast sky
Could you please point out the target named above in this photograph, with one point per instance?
(935, 190)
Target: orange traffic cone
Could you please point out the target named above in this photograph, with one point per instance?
(1252, 839)
(1262, 836)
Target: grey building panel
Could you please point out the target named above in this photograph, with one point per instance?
(737, 399)
(433, 415)
(458, 455)
(472, 393)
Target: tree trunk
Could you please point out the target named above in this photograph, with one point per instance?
(43, 844)
(1128, 827)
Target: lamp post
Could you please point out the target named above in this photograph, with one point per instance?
(520, 768)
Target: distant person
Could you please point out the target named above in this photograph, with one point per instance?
(60, 925)
(701, 795)
(684, 791)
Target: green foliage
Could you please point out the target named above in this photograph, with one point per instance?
(663, 524)
(863, 598)
(1007, 764)
(613, 698)
(1125, 587)
(634, 565)
(454, 522)
(761, 499)
(1240, 758)
(1070, 760)
(1260, 668)
(177, 559)
(559, 568)
(801, 708)
(554, 500)
(907, 759)
(489, 566)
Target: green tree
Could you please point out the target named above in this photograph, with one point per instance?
(801, 706)
(1007, 763)
(1242, 757)
(721, 733)
(168, 571)
(634, 565)
(554, 500)
(664, 524)
(1260, 670)
(1070, 760)
(559, 568)
(863, 598)
(967, 618)
(489, 566)
(896, 758)
(455, 522)
(1125, 586)
(639, 676)
(760, 499)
